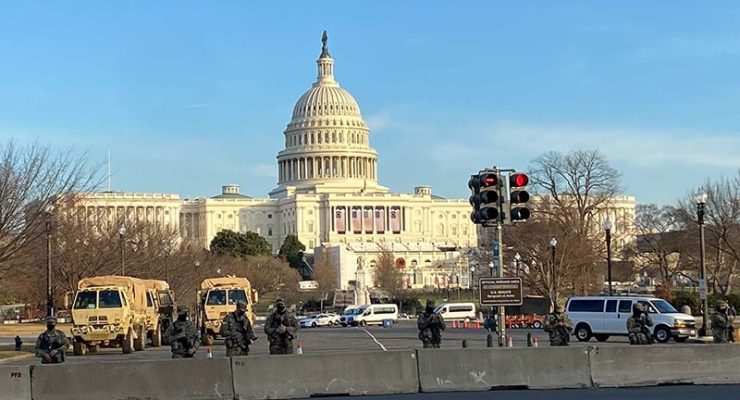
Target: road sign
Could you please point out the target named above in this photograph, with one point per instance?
(500, 291)
(702, 289)
(308, 285)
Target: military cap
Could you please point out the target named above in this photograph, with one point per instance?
(280, 301)
(638, 307)
(51, 319)
(182, 309)
(241, 304)
(430, 303)
(723, 304)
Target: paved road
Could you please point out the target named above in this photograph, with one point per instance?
(330, 339)
(728, 392)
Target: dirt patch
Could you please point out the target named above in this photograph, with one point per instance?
(13, 330)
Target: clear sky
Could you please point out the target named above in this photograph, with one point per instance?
(192, 95)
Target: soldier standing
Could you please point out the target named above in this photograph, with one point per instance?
(558, 326)
(638, 326)
(722, 323)
(281, 328)
(430, 326)
(182, 335)
(51, 344)
(238, 332)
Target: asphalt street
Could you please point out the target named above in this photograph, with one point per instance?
(332, 339)
(727, 392)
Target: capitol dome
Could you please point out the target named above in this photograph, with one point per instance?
(327, 144)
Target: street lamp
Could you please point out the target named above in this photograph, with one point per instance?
(121, 233)
(167, 249)
(553, 245)
(49, 292)
(608, 229)
(701, 201)
(472, 280)
(517, 260)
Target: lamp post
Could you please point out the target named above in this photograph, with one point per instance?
(167, 249)
(608, 229)
(701, 201)
(49, 292)
(121, 233)
(472, 280)
(517, 260)
(553, 246)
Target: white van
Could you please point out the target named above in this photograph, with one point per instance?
(374, 314)
(457, 311)
(604, 316)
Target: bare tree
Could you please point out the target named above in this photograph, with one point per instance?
(660, 245)
(325, 275)
(33, 178)
(387, 275)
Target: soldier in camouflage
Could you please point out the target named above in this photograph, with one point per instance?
(237, 331)
(558, 326)
(281, 328)
(638, 326)
(182, 335)
(430, 326)
(722, 323)
(51, 344)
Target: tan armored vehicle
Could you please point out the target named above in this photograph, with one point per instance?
(109, 311)
(159, 309)
(218, 297)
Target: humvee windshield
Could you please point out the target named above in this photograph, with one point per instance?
(216, 298)
(86, 300)
(237, 295)
(110, 299)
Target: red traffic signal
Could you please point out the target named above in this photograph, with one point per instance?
(487, 180)
(518, 180)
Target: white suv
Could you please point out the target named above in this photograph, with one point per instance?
(604, 316)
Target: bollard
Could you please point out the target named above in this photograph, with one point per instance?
(529, 339)
(535, 342)
(299, 348)
(489, 340)
(465, 344)
(209, 352)
(510, 342)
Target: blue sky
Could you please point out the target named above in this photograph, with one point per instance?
(192, 95)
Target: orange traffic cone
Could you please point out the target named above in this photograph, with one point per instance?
(466, 324)
(209, 352)
(477, 324)
(454, 324)
(299, 348)
(510, 342)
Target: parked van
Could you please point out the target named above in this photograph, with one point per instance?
(604, 316)
(457, 311)
(374, 314)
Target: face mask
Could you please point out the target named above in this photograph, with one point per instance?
(280, 308)
(430, 310)
(240, 311)
(182, 317)
(50, 326)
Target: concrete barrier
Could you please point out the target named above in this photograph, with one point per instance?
(302, 376)
(474, 369)
(653, 365)
(15, 382)
(201, 379)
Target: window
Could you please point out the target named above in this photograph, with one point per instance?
(237, 295)
(164, 298)
(110, 299)
(625, 306)
(269, 231)
(664, 307)
(586, 306)
(149, 299)
(611, 306)
(461, 308)
(86, 300)
(384, 310)
(216, 298)
(648, 307)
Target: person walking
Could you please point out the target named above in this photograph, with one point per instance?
(558, 326)
(281, 328)
(638, 325)
(52, 343)
(237, 331)
(431, 325)
(722, 320)
(182, 335)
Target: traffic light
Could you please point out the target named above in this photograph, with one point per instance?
(485, 197)
(519, 197)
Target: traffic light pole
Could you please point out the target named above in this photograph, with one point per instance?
(501, 309)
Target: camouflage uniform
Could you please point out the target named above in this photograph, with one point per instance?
(558, 326)
(281, 328)
(51, 344)
(638, 331)
(430, 326)
(182, 335)
(722, 323)
(237, 331)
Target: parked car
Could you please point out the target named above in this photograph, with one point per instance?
(334, 318)
(457, 312)
(374, 314)
(604, 316)
(316, 321)
(346, 318)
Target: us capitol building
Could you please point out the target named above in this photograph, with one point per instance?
(327, 195)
